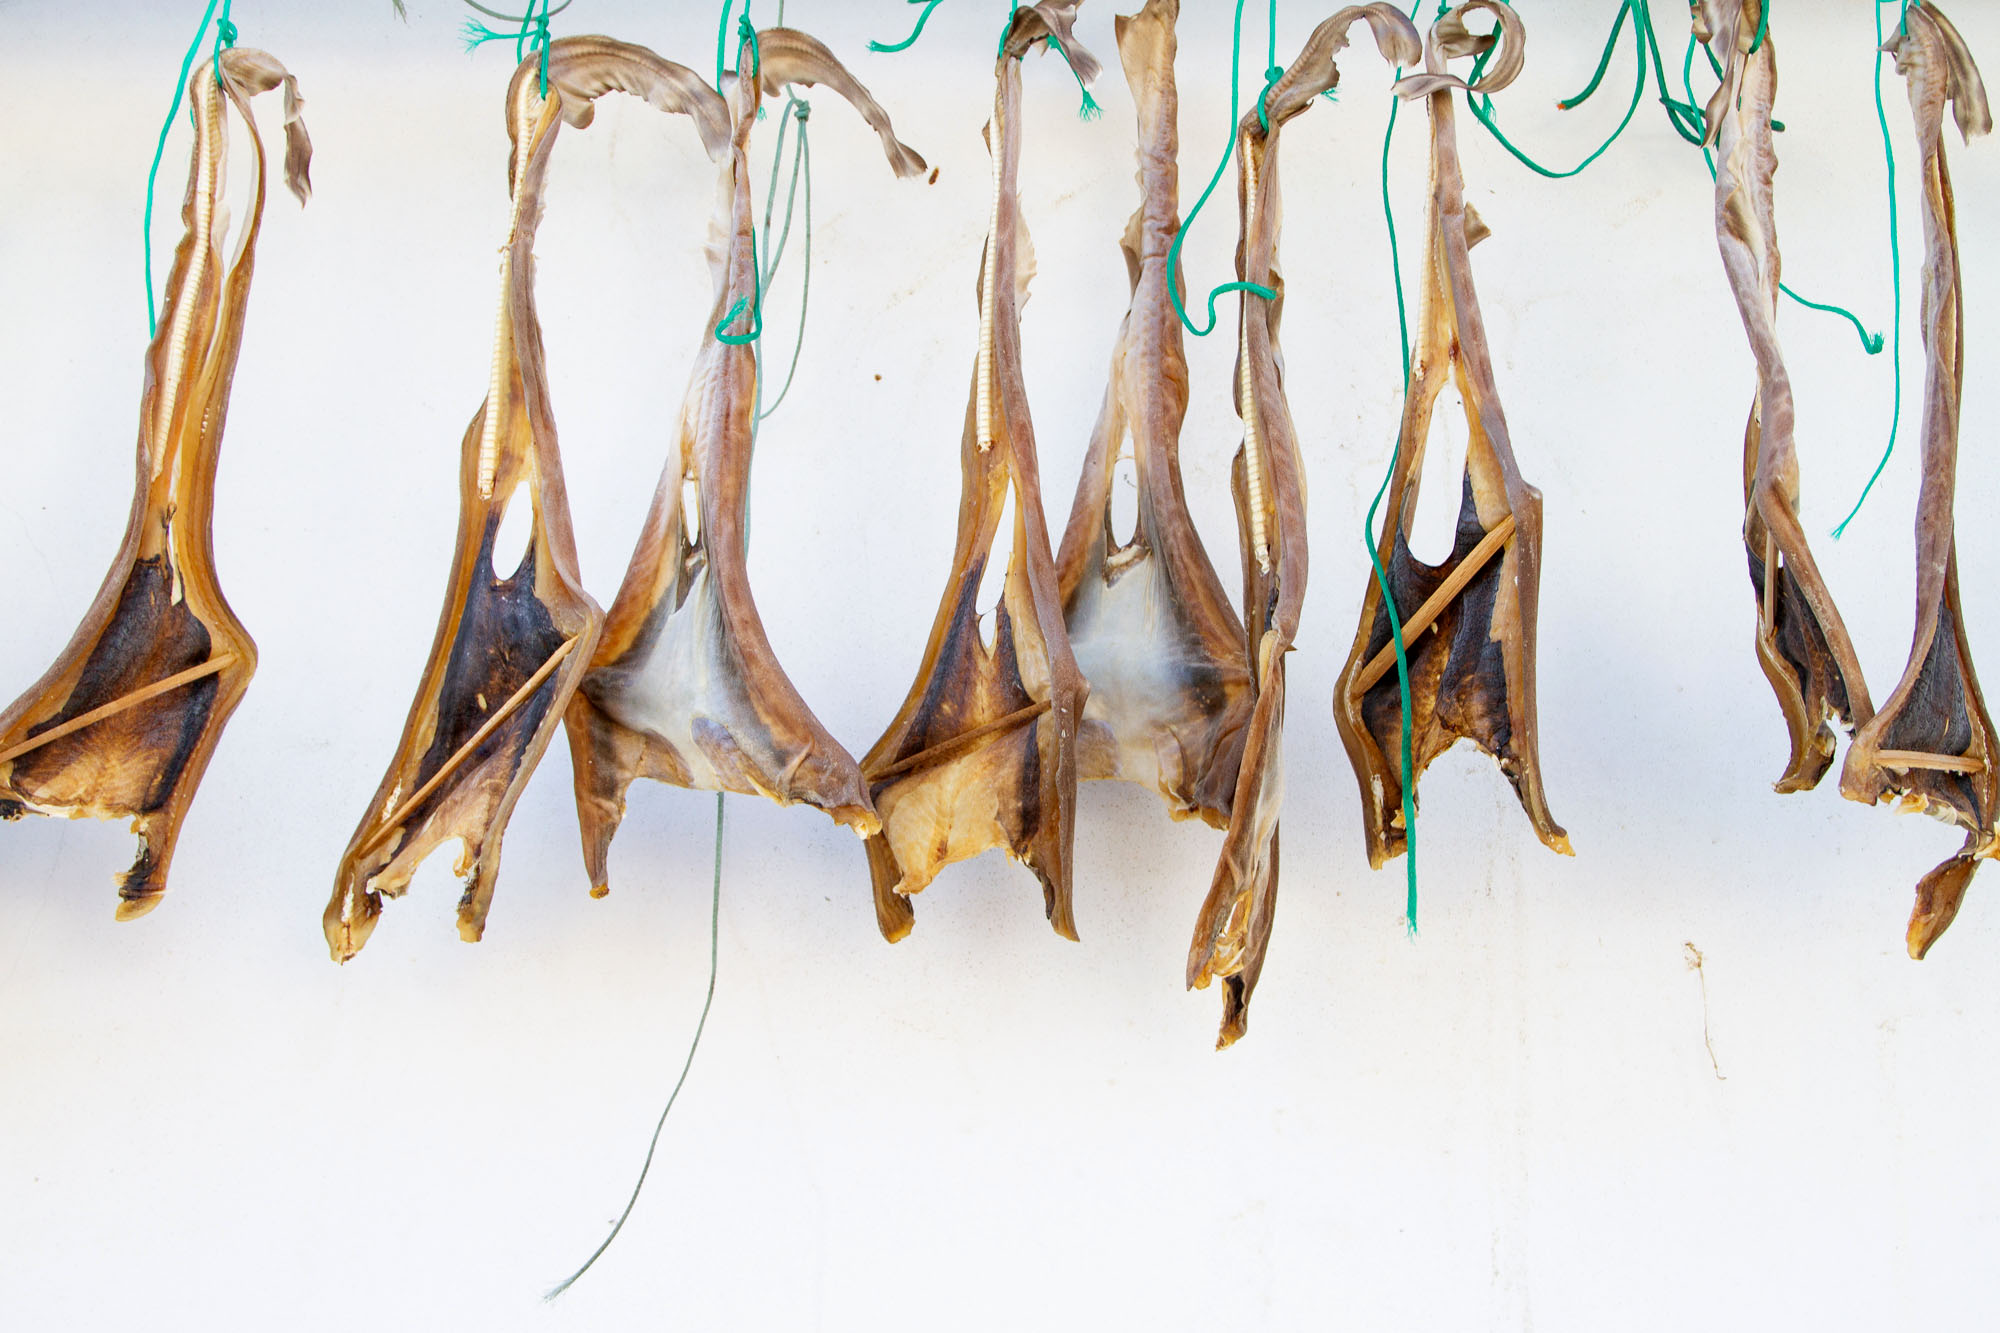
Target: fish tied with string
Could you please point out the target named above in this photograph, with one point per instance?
(124, 724)
(1468, 623)
(1233, 929)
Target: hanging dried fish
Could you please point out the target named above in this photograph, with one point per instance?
(1234, 928)
(1473, 676)
(684, 686)
(983, 752)
(511, 645)
(123, 725)
(1801, 643)
(1152, 628)
(1932, 746)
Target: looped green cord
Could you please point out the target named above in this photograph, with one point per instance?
(915, 32)
(152, 176)
(1368, 538)
(754, 303)
(1180, 237)
(1763, 26)
(1271, 77)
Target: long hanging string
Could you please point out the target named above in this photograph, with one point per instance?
(1368, 538)
(708, 1001)
(1895, 270)
(224, 29)
(796, 109)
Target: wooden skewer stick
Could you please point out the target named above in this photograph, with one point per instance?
(119, 705)
(1948, 763)
(1434, 605)
(944, 750)
(464, 752)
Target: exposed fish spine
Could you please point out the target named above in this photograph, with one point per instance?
(991, 294)
(526, 118)
(206, 114)
(1246, 390)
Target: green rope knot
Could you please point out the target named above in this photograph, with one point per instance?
(1271, 77)
(225, 33)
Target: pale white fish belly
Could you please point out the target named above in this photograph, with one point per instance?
(684, 677)
(1131, 648)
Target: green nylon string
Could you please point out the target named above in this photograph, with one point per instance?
(801, 165)
(1871, 343)
(1090, 110)
(714, 939)
(1368, 537)
(1895, 273)
(754, 303)
(152, 177)
(1174, 253)
(1686, 118)
(915, 32)
(530, 33)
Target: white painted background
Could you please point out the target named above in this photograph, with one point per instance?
(1509, 1123)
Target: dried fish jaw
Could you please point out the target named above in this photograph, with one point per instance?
(684, 687)
(1149, 622)
(510, 648)
(1932, 747)
(982, 751)
(1802, 644)
(1469, 623)
(123, 725)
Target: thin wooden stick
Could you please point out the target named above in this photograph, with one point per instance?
(1948, 763)
(119, 705)
(944, 750)
(1434, 605)
(464, 752)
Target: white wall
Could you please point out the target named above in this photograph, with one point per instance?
(1511, 1122)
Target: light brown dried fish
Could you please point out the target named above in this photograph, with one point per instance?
(125, 722)
(982, 753)
(511, 645)
(684, 686)
(1932, 746)
(1234, 928)
(1472, 676)
(1152, 628)
(1801, 643)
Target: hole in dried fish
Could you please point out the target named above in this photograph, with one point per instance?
(993, 581)
(1124, 501)
(516, 532)
(691, 511)
(1432, 530)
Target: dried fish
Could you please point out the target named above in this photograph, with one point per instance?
(125, 722)
(1801, 643)
(1234, 928)
(1932, 746)
(982, 753)
(511, 645)
(684, 686)
(1150, 623)
(1473, 676)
